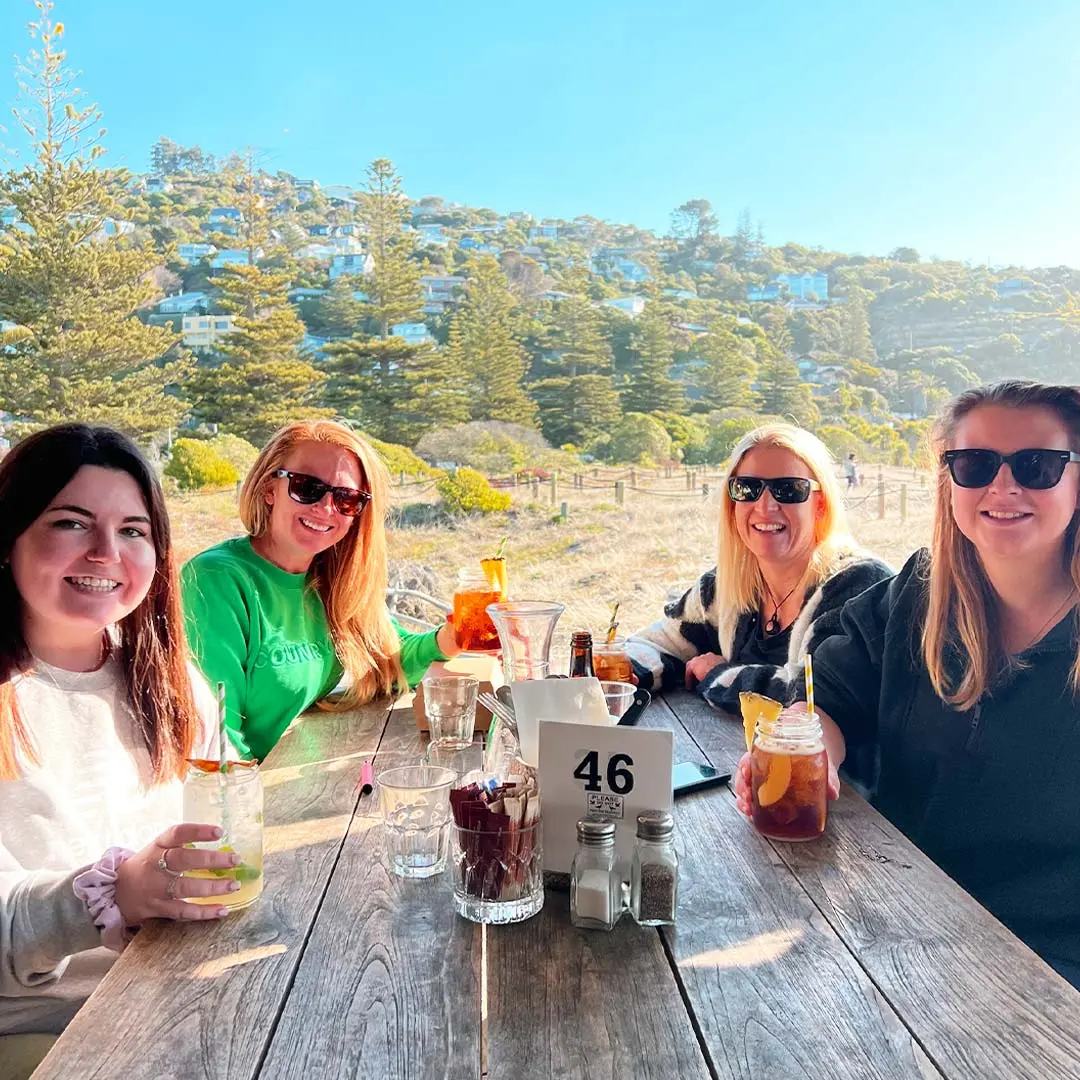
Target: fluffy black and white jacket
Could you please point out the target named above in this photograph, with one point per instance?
(691, 626)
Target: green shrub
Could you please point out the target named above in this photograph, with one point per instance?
(639, 440)
(399, 459)
(725, 434)
(194, 465)
(238, 452)
(467, 492)
(841, 443)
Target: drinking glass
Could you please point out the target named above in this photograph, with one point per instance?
(460, 760)
(611, 662)
(232, 800)
(789, 773)
(498, 877)
(415, 804)
(450, 707)
(618, 696)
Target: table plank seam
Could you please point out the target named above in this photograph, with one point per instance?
(688, 1006)
(272, 1031)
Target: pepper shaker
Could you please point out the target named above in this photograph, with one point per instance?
(654, 872)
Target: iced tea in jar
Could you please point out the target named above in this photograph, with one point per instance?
(472, 624)
(789, 777)
(611, 663)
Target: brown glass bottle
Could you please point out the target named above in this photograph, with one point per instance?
(581, 655)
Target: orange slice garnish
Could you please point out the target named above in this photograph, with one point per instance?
(755, 708)
(776, 783)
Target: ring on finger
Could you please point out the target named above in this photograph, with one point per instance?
(163, 865)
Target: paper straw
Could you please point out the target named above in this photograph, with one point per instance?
(809, 685)
(223, 764)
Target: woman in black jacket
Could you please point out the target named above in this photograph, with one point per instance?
(961, 675)
(785, 566)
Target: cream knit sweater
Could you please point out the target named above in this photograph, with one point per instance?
(89, 791)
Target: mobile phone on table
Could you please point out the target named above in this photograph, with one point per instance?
(689, 776)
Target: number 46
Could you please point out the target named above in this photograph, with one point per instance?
(619, 779)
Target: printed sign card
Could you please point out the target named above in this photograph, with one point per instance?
(608, 772)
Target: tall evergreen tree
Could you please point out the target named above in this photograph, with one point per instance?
(649, 386)
(743, 240)
(486, 353)
(79, 352)
(576, 398)
(783, 393)
(725, 378)
(395, 389)
(856, 342)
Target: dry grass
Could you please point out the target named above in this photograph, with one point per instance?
(656, 543)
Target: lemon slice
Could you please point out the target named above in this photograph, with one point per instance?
(755, 707)
(776, 783)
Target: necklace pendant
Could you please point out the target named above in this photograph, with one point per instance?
(771, 626)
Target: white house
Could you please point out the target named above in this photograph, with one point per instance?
(191, 253)
(343, 265)
(322, 250)
(182, 302)
(234, 257)
(203, 332)
(157, 185)
(440, 291)
(111, 228)
(631, 305)
(544, 232)
(340, 195)
(220, 214)
(413, 333)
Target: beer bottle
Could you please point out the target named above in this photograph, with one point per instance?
(581, 655)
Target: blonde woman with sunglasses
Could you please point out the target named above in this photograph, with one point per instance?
(785, 566)
(279, 615)
(961, 675)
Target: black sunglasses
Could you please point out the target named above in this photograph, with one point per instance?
(308, 490)
(1035, 469)
(785, 489)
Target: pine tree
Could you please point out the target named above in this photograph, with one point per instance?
(395, 389)
(783, 393)
(338, 314)
(649, 387)
(485, 352)
(576, 398)
(263, 380)
(856, 342)
(725, 378)
(743, 240)
(79, 352)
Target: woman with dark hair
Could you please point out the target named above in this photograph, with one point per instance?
(961, 675)
(99, 712)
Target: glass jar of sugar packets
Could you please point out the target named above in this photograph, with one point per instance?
(595, 882)
(654, 872)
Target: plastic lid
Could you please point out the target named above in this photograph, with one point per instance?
(595, 832)
(655, 825)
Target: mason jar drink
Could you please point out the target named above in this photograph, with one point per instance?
(233, 800)
(789, 777)
(611, 661)
(472, 623)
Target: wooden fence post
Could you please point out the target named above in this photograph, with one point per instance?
(881, 499)
(536, 488)
(620, 492)
(705, 490)
(554, 489)
(564, 512)
(903, 502)
(633, 477)
(401, 478)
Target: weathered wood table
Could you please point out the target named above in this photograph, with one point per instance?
(850, 957)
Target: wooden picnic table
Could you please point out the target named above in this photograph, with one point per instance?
(850, 957)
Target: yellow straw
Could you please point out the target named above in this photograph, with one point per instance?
(222, 762)
(809, 685)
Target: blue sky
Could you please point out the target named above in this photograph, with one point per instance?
(948, 125)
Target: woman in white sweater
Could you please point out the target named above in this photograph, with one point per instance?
(98, 714)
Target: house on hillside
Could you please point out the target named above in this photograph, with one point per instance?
(614, 262)
(322, 229)
(810, 286)
(681, 294)
(110, 229)
(8, 215)
(341, 196)
(182, 303)
(305, 190)
(204, 332)
(220, 214)
(157, 185)
(413, 333)
(346, 265)
(192, 253)
(234, 257)
(322, 252)
(431, 233)
(441, 291)
(1014, 287)
(630, 305)
(546, 231)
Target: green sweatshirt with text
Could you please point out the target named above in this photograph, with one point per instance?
(263, 632)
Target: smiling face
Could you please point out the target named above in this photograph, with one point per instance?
(1005, 520)
(779, 535)
(87, 561)
(298, 532)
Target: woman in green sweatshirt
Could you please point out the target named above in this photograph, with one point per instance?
(281, 614)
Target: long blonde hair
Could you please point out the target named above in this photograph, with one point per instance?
(740, 586)
(349, 577)
(960, 599)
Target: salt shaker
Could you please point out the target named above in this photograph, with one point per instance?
(654, 873)
(595, 882)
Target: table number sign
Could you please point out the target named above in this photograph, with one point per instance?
(607, 772)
